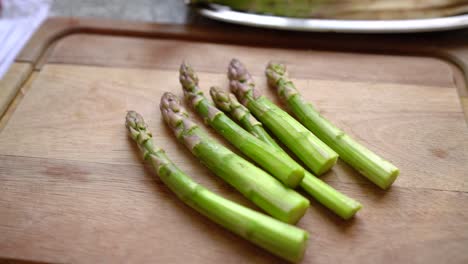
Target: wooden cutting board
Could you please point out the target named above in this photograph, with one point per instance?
(74, 190)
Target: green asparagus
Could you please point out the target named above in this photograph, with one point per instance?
(312, 151)
(277, 163)
(286, 241)
(229, 104)
(376, 169)
(339, 203)
(265, 191)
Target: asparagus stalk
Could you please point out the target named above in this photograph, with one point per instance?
(286, 241)
(339, 203)
(265, 191)
(376, 169)
(311, 150)
(229, 104)
(276, 162)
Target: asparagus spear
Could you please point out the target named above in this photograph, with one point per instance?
(313, 152)
(276, 162)
(286, 241)
(376, 169)
(229, 104)
(265, 191)
(339, 203)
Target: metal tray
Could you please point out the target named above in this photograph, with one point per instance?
(225, 14)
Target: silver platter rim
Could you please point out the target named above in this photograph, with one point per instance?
(334, 25)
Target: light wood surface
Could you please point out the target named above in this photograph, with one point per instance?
(74, 188)
(94, 50)
(459, 57)
(11, 82)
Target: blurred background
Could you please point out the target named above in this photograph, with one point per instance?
(177, 12)
(19, 19)
(161, 11)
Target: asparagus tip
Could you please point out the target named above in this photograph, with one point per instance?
(187, 77)
(240, 81)
(237, 71)
(136, 127)
(171, 109)
(278, 67)
(220, 98)
(274, 72)
(170, 101)
(134, 120)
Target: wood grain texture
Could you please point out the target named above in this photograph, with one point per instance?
(74, 188)
(17, 99)
(429, 44)
(464, 101)
(459, 57)
(145, 53)
(11, 83)
(133, 52)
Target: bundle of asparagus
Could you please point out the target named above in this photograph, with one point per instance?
(376, 169)
(286, 241)
(258, 186)
(276, 162)
(339, 203)
(273, 196)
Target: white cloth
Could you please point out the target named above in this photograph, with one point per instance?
(19, 19)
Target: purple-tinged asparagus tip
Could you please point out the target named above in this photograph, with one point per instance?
(240, 81)
(134, 120)
(178, 119)
(238, 72)
(171, 109)
(175, 115)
